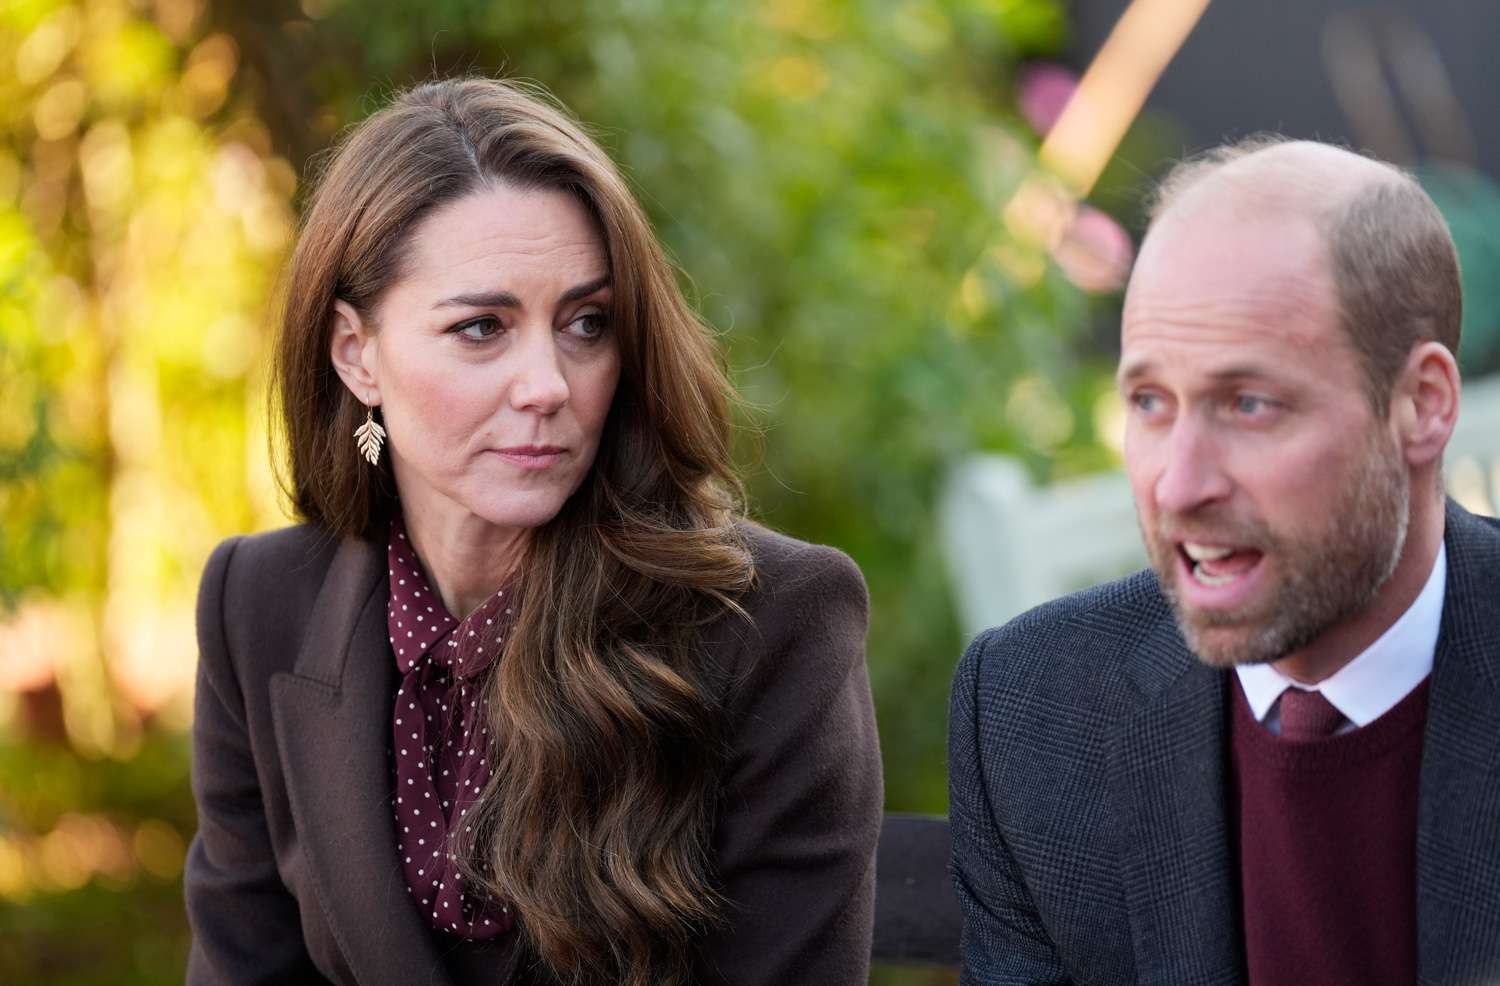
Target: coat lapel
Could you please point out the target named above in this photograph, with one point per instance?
(1458, 812)
(332, 719)
(1169, 768)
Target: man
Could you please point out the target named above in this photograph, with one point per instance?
(1275, 756)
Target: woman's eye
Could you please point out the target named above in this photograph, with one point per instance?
(478, 329)
(589, 326)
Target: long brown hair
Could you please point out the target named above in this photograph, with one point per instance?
(596, 822)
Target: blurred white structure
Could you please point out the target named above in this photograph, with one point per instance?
(1012, 545)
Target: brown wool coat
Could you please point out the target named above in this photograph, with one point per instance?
(293, 875)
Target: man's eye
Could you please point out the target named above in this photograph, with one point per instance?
(1247, 404)
(478, 329)
(1146, 402)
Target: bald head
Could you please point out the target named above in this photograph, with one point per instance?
(1388, 255)
(1270, 175)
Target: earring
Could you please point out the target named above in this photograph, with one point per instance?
(370, 436)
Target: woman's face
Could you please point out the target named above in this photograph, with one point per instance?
(492, 357)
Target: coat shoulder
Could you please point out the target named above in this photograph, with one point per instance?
(1074, 648)
(275, 575)
(780, 558)
(301, 552)
(257, 595)
(794, 580)
(801, 593)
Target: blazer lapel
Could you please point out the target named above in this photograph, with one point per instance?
(1169, 767)
(1458, 811)
(332, 719)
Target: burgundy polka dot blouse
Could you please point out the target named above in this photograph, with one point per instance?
(441, 739)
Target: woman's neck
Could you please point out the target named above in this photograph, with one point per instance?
(466, 558)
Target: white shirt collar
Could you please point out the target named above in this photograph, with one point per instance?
(1370, 685)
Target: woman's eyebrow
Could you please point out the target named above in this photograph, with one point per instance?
(504, 299)
(584, 290)
(484, 299)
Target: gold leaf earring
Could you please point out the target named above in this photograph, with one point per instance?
(370, 436)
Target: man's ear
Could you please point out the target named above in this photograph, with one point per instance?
(1424, 404)
(354, 353)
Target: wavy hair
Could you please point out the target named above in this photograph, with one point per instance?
(596, 822)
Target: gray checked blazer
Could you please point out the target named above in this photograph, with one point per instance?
(1088, 754)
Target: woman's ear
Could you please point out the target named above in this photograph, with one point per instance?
(354, 353)
(1426, 402)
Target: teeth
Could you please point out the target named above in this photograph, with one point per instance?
(1212, 580)
(1205, 552)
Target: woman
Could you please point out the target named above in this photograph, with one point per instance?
(525, 698)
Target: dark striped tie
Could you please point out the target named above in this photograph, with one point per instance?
(1308, 715)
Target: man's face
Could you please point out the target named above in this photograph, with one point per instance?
(1272, 500)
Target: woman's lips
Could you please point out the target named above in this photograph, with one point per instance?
(532, 456)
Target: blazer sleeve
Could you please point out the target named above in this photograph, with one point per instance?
(1003, 939)
(245, 922)
(800, 813)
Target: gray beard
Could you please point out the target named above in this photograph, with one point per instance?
(1326, 577)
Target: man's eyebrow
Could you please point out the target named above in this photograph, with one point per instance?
(1132, 371)
(504, 299)
(1240, 371)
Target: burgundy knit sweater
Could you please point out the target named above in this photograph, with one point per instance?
(1327, 848)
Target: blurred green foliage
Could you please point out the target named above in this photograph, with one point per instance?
(829, 175)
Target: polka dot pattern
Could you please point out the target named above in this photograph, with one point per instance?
(441, 736)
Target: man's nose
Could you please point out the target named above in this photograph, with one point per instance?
(1192, 472)
(539, 383)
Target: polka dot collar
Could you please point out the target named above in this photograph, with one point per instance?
(421, 625)
(441, 748)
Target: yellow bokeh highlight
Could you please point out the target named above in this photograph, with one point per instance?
(83, 847)
(1039, 413)
(1109, 421)
(796, 77)
(60, 109)
(920, 26)
(14, 883)
(33, 637)
(10, 178)
(62, 862)
(125, 60)
(107, 163)
(814, 20)
(178, 19)
(160, 849)
(974, 297)
(45, 48)
(143, 220)
(205, 79)
(1022, 264)
(318, 9)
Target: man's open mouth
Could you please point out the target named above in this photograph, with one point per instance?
(1217, 565)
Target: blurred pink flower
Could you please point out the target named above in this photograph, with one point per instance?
(1045, 89)
(1095, 252)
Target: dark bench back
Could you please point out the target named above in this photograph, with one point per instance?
(917, 920)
